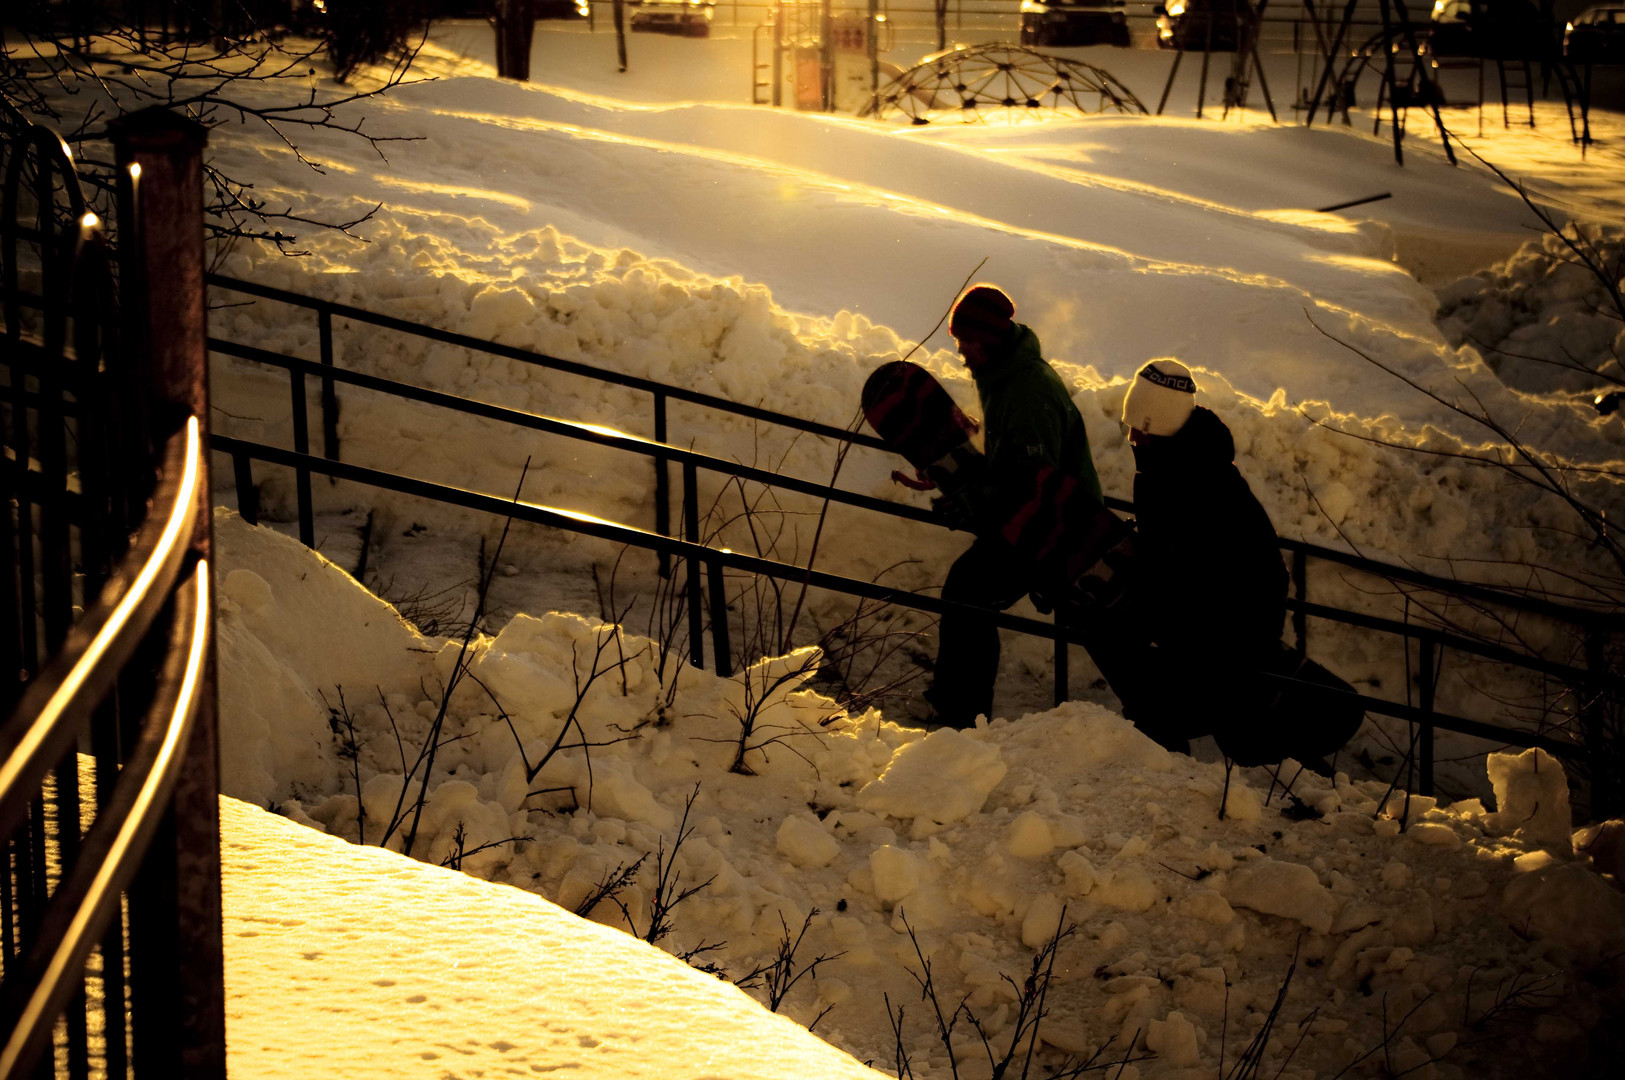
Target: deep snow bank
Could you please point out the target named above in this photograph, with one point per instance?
(977, 841)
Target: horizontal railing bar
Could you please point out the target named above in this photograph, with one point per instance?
(1473, 590)
(601, 436)
(1417, 715)
(647, 447)
(527, 356)
(59, 701)
(1468, 589)
(111, 852)
(1500, 653)
(634, 537)
(589, 525)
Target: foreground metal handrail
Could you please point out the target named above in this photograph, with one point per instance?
(112, 851)
(47, 719)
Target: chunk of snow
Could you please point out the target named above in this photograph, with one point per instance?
(1028, 836)
(1042, 920)
(1173, 1040)
(1241, 802)
(945, 776)
(1434, 833)
(804, 841)
(1290, 890)
(1128, 889)
(896, 872)
(1209, 906)
(1531, 798)
(1080, 872)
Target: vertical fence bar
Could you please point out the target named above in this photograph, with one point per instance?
(330, 400)
(1425, 736)
(691, 533)
(1063, 680)
(662, 483)
(1300, 590)
(175, 905)
(722, 658)
(1594, 728)
(248, 496)
(301, 444)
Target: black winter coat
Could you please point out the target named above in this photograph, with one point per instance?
(1212, 581)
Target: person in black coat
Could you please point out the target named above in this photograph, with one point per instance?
(1206, 611)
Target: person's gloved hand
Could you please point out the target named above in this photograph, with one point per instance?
(953, 511)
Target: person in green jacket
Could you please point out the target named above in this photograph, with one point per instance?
(1028, 420)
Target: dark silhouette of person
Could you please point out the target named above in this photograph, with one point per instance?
(1028, 420)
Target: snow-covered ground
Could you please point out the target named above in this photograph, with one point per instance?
(653, 222)
(1180, 916)
(352, 961)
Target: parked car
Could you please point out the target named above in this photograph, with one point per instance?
(1184, 24)
(687, 18)
(1596, 36)
(1504, 29)
(1074, 22)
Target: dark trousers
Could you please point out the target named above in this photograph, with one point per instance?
(988, 575)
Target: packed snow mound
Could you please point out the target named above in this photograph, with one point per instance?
(1542, 319)
(785, 819)
(286, 679)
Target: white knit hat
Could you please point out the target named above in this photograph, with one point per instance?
(1161, 397)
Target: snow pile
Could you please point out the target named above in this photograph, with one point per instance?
(1541, 318)
(962, 850)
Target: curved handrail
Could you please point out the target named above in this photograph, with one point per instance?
(43, 726)
(111, 852)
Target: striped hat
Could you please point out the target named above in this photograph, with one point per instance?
(1161, 398)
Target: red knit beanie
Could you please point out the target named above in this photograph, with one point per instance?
(983, 312)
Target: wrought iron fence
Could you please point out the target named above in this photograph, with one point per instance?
(110, 953)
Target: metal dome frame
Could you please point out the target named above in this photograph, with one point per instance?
(972, 82)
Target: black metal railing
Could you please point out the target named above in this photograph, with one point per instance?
(110, 951)
(1429, 642)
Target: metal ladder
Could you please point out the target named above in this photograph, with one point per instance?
(1514, 75)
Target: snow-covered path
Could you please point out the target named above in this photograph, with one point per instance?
(347, 961)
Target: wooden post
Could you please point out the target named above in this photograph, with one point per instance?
(175, 919)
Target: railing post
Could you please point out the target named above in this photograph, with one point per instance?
(662, 484)
(1300, 589)
(301, 445)
(1425, 736)
(175, 909)
(691, 533)
(722, 658)
(1594, 728)
(1063, 681)
(248, 496)
(330, 401)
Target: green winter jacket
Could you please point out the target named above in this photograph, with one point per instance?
(1028, 418)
